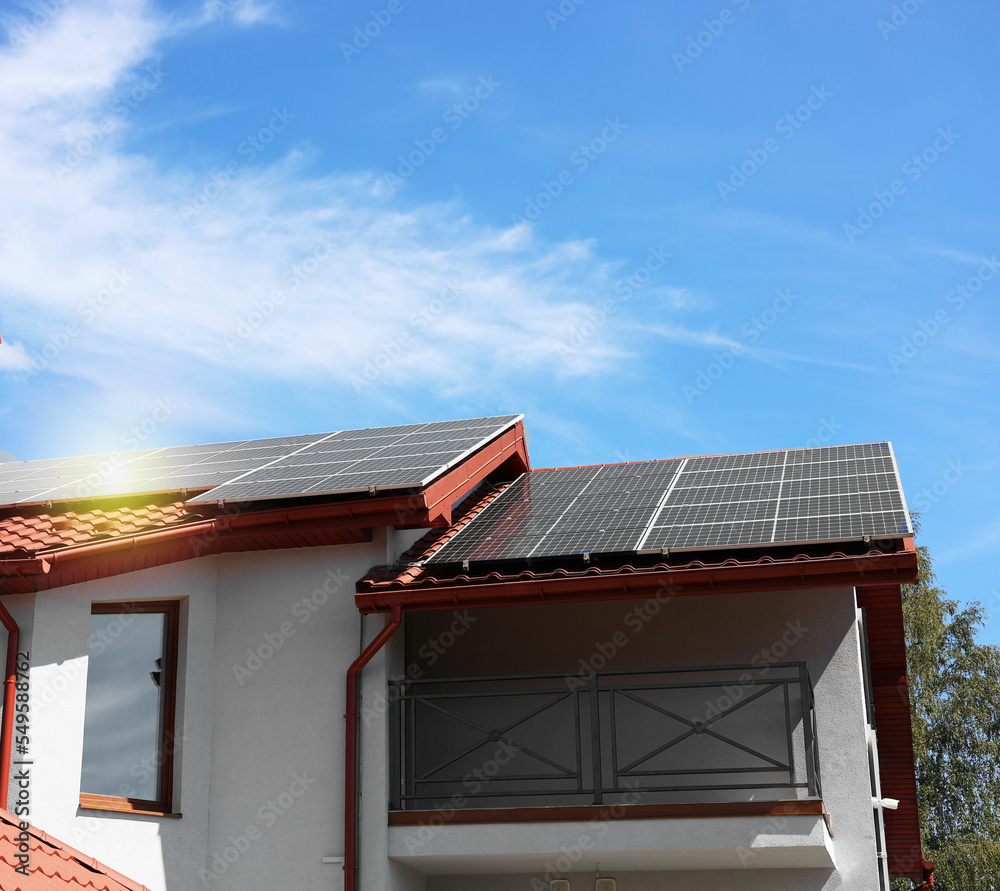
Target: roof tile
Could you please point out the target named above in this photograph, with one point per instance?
(29, 530)
(53, 865)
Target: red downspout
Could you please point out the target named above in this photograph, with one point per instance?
(9, 685)
(352, 814)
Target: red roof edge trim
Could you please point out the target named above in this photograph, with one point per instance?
(509, 451)
(627, 582)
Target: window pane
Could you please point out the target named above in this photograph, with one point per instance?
(123, 729)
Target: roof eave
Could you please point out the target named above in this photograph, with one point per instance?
(628, 583)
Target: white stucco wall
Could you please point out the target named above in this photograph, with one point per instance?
(149, 849)
(260, 766)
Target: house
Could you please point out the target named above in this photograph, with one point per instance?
(399, 658)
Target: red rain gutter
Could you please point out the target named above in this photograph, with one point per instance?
(898, 568)
(213, 530)
(24, 568)
(352, 813)
(9, 685)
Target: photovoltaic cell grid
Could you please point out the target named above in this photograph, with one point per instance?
(794, 497)
(140, 472)
(257, 468)
(355, 460)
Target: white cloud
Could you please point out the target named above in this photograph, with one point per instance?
(271, 272)
(987, 540)
(244, 12)
(13, 357)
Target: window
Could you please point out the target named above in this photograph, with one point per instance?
(128, 735)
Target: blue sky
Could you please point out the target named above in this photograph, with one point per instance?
(655, 229)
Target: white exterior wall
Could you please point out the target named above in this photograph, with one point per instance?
(248, 748)
(149, 849)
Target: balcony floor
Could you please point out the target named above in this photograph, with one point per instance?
(778, 836)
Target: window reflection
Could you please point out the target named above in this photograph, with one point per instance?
(123, 728)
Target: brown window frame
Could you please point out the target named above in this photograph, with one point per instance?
(164, 806)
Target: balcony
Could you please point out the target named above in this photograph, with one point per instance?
(506, 774)
(680, 735)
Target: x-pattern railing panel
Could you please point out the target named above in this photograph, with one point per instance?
(496, 735)
(698, 727)
(584, 719)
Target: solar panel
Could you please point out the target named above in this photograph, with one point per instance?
(24, 481)
(793, 496)
(283, 466)
(401, 457)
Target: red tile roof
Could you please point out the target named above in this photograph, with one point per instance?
(29, 530)
(53, 865)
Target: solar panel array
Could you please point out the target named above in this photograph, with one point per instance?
(355, 460)
(285, 466)
(793, 496)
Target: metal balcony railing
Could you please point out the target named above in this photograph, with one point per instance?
(714, 734)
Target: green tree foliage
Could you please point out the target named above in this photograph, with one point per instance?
(955, 699)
